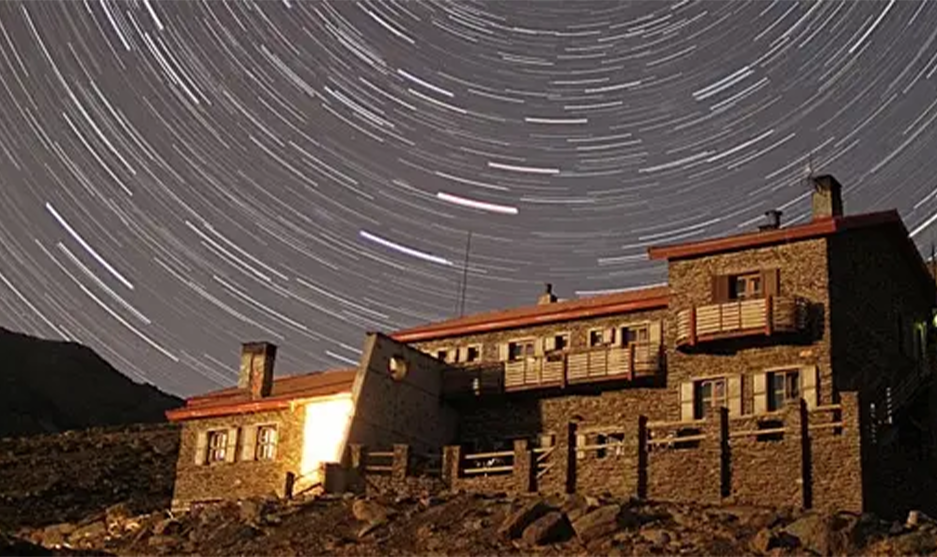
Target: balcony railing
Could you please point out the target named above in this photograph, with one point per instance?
(760, 316)
(596, 364)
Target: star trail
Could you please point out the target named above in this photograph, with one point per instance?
(179, 177)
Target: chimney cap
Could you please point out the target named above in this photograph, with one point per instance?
(548, 288)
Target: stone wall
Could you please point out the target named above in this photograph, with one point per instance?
(792, 457)
(402, 406)
(876, 358)
(802, 272)
(238, 479)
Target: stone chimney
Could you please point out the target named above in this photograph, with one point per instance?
(772, 220)
(547, 297)
(256, 375)
(827, 197)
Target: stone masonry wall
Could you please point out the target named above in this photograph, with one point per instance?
(238, 479)
(802, 272)
(899, 458)
(405, 409)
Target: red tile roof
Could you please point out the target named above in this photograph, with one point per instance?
(814, 229)
(609, 304)
(283, 392)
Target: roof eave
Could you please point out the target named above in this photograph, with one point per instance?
(521, 321)
(264, 405)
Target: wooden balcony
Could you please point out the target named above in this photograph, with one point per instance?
(474, 380)
(597, 364)
(760, 316)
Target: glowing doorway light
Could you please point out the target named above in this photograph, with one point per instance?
(324, 432)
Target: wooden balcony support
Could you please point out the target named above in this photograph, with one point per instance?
(769, 315)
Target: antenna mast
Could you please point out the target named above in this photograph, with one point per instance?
(468, 247)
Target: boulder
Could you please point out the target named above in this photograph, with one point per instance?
(115, 516)
(841, 533)
(515, 523)
(657, 537)
(598, 523)
(549, 528)
(162, 541)
(92, 530)
(250, 511)
(368, 511)
(766, 540)
(167, 526)
(916, 542)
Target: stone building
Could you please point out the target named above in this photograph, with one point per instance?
(788, 366)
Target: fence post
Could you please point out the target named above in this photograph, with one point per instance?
(524, 469)
(401, 464)
(725, 455)
(806, 456)
(451, 465)
(642, 457)
(571, 457)
(358, 455)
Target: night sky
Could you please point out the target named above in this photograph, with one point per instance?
(181, 176)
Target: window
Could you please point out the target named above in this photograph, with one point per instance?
(783, 387)
(600, 441)
(266, 442)
(601, 337)
(217, 445)
(472, 354)
(744, 287)
(616, 442)
(518, 350)
(560, 342)
(710, 396)
(634, 334)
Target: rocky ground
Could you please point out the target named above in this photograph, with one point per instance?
(65, 477)
(106, 492)
(467, 524)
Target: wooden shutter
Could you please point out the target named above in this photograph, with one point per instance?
(231, 448)
(538, 346)
(201, 448)
(608, 335)
(809, 386)
(503, 352)
(249, 443)
(549, 343)
(654, 332)
(735, 395)
(760, 393)
(770, 283)
(720, 289)
(686, 402)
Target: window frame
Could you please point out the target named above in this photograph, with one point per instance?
(605, 342)
(522, 356)
(216, 453)
(644, 326)
(750, 277)
(702, 410)
(466, 350)
(260, 444)
(787, 394)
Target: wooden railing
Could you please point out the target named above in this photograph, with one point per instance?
(542, 460)
(562, 368)
(379, 462)
(498, 462)
(756, 316)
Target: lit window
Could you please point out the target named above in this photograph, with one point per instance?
(217, 445)
(266, 442)
(710, 396)
(784, 386)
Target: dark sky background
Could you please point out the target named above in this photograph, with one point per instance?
(180, 176)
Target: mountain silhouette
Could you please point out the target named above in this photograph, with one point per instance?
(49, 386)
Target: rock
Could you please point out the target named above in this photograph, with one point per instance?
(657, 537)
(549, 528)
(918, 518)
(515, 523)
(917, 542)
(162, 541)
(429, 501)
(93, 530)
(828, 535)
(250, 511)
(598, 523)
(116, 515)
(51, 536)
(370, 527)
(766, 540)
(368, 511)
(167, 526)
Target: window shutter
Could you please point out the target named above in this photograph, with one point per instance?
(580, 442)
(770, 283)
(503, 352)
(655, 332)
(538, 346)
(231, 448)
(549, 343)
(809, 386)
(720, 289)
(201, 448)
(686, 401)
(760, 393)
(735, 395)
(608, 335)
(249, 443)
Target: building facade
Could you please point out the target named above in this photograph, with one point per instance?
(790, 365)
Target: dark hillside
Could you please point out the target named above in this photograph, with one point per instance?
(50, 386)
